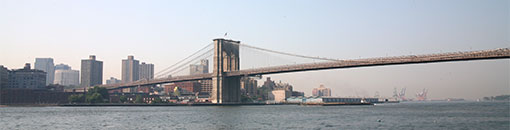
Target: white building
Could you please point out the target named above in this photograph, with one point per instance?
(67, 77)
(279, 95)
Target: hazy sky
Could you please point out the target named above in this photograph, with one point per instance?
(163, 32)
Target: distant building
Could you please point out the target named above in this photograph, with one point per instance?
(91, 72)
(130, 71)
(321, 91)
(202, 68)
(146, 71)
(33, 96)
(269, 84)
(46, 65)
(284, 86)
(4, 77)
(279, 95)
(189, 86)
(27, 78)
(205, 86)
(67, 77)
(64, 75)
(248, 86)
(113, 80)
(62, 67)
(297, 94)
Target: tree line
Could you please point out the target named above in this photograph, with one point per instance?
(100, 95)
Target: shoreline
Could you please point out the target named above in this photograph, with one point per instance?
(171, 104)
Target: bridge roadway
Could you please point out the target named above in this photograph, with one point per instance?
(411, 59)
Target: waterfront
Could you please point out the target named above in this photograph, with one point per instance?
(408, 115)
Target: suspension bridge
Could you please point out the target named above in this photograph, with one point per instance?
(226, 71)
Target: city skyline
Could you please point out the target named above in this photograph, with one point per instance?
(444, 27)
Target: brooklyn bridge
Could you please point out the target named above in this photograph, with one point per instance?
(227, 73)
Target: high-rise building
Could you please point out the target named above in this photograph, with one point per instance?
(67, 77)
(91, 72)
(46, 65)
(146, 71)
(202, 68)
(130, 68)
(64, 75)
(321, 91)
(62, 67)
(113, 80)
(4, 77)
(27, 78)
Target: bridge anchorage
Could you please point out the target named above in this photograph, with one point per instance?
(226, 74)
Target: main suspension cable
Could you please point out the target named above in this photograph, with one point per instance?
(185, 64)
(285, 53)
(164, 70)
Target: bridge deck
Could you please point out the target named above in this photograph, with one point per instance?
(160, 81)
(411, 59)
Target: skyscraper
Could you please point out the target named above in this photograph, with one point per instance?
(65, 76)
(46, 65)
(321, 91)
(91, 72)
(146, 71)
(130, 68)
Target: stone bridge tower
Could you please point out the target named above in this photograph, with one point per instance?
(226, 59)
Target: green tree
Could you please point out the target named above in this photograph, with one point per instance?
(123, 99)
(101, 90)
(76, 98)
(97, 95)
(94, 98)
(139, 99)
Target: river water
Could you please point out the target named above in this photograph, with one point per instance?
(407, 115)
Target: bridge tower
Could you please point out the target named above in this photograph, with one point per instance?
(226, 59)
